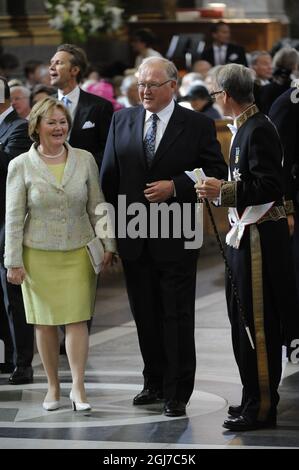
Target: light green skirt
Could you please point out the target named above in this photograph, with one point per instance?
(59, 288)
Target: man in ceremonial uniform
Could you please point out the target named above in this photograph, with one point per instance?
(258, 253)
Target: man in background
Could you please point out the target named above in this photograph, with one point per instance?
(91, 114)
(18, 336)
(222, 51)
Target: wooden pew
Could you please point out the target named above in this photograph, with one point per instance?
(220, 213)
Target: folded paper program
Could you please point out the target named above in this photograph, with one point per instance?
(198, 175)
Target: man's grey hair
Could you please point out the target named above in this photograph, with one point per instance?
(237, 80)
(24, 90)
(170, 68)
(255, 55)
(286, 58)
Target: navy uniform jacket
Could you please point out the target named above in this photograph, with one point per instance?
(255, 165)
(257, 178)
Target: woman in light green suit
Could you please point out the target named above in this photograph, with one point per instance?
(52, 193)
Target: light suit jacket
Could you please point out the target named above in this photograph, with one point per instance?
(46, 215)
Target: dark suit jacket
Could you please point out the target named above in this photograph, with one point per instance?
(232, 50)
(189, 142)
(97, 111)
(284, 112)
(269, 93)
(14, 140)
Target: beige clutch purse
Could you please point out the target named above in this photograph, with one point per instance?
(96, 253)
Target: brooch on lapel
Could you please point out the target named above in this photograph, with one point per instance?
(236, 174)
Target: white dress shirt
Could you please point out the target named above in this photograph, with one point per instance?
(220, 54)
(164, 117)
(73, 96)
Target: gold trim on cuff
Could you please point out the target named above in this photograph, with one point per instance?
(229, 194)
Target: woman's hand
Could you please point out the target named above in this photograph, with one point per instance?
(16, 275)
(108, 260)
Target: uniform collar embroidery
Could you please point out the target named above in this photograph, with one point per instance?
(240, 120)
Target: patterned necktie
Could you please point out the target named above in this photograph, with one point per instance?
(66, 101)
(150, 140)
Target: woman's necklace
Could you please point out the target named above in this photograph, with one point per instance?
(51, 156)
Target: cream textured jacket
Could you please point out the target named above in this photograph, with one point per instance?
(46, 215)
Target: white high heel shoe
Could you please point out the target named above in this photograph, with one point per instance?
(77, 406)
(51, 405)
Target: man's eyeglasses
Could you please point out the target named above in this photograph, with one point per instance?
(151, 86)
(215, 93)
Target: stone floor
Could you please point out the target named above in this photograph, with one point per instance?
(114, 376)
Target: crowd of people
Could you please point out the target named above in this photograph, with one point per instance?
(73, 140)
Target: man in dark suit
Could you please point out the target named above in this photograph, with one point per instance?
(265, 283)
(222, 51)
(91, 114)
(148, 149)
(284, 112)
(14, 140)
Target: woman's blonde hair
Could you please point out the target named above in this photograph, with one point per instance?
(41, 109)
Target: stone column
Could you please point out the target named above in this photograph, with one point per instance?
(292, 10)
(169, 9)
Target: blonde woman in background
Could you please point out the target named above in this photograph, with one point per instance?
(52, 192)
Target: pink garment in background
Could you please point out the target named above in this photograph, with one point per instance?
(104, 90)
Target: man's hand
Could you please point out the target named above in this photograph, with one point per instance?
(209, 188)
(159, 191)
(16, 275)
